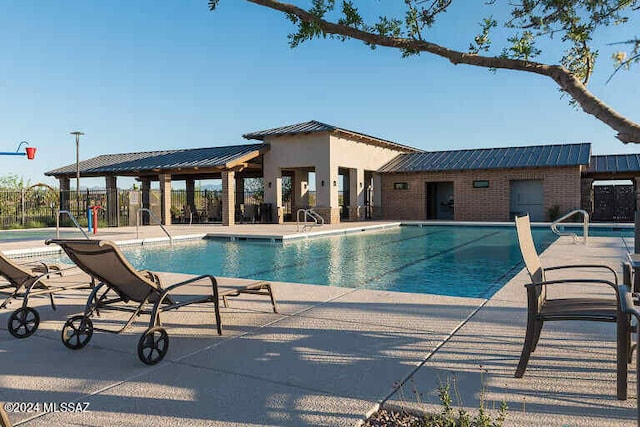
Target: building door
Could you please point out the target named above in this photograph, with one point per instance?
(527, 196)
(440, 200)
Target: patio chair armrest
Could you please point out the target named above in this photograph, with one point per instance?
(154, 277)
(576, 266)
(627, 304)
(615, 286)
(168, 290)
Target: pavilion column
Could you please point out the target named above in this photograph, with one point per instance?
(586, 195)
(273, 193)
(327, 193)
(145, 189)
(300, 190)
(112, 201)
(356, 194)
(65, 192)
(165, 198)
(377, 208)
(228, 197)
(190, 186)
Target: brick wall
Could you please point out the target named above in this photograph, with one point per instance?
(561, 187)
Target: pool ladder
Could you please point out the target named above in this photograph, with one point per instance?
(153, 217)
(73, 219)
(576, 239)
(315, 219)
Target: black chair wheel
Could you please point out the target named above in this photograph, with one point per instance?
(23, 322)
(153, 345)
(77, 332)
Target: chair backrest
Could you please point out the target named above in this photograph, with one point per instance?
(528, 249)
(103, 260)
(536, 296)
(15, 274)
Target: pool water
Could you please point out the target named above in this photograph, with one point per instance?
(445, 260)
(36, 234)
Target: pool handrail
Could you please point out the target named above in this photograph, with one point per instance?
(585, 215)
(316, 219)
(153, 217)
(73, 219)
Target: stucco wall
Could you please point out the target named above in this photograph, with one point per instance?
(561, 186)
(326, 153)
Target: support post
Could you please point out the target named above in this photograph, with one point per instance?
(228, 198)
(112, 201)
(165, 198)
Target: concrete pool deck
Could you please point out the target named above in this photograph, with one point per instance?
(328, 358)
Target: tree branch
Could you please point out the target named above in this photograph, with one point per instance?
(628, 131)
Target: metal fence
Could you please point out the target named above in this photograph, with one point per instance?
(38, 206)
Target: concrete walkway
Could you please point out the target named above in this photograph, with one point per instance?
(328, 358)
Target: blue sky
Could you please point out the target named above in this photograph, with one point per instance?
(148, 75)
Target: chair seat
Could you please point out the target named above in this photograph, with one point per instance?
(600, 309)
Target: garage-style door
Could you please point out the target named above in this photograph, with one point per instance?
(527, 196)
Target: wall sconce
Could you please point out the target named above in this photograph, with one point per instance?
(335, 183)
(269, 184)
(360, 185)
(322, 183)
(305, 185)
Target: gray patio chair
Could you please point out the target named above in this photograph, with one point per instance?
(121, 284)
(629, 308)
(541, 308)
(29, 280)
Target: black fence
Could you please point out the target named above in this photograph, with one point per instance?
(37, 207)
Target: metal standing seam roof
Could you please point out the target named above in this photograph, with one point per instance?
(313, 126)
(614, 163)
(491, 158)
(152, 160)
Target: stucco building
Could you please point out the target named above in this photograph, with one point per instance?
(355, 176)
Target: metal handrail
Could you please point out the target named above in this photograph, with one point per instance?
(585, 215)
(73, 219)
(308, 213)
(155, 218)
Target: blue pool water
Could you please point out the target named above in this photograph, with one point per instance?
(445, 260)
(32, 235)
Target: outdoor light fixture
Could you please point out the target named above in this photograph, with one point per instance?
(322, 183)
(360, 185)
(77, 134)
(335, 183)
(269, 184)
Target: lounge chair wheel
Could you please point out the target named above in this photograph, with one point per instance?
(153, 345)
(77, 332)
(23, 322)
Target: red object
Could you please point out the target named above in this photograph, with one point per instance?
(31, 152)
(95, 219)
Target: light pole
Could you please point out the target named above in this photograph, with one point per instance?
(77, 134)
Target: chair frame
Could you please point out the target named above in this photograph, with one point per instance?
(538, 304)
(107, 295)
(628, 306)
(24, 321)
(154, 342)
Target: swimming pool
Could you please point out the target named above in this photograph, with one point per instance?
(445, 260)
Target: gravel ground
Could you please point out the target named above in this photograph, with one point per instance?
(387, 418)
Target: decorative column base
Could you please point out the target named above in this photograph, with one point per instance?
(356, 213)
(330, 215)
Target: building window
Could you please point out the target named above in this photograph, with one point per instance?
(400, 186)
(480, 184)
